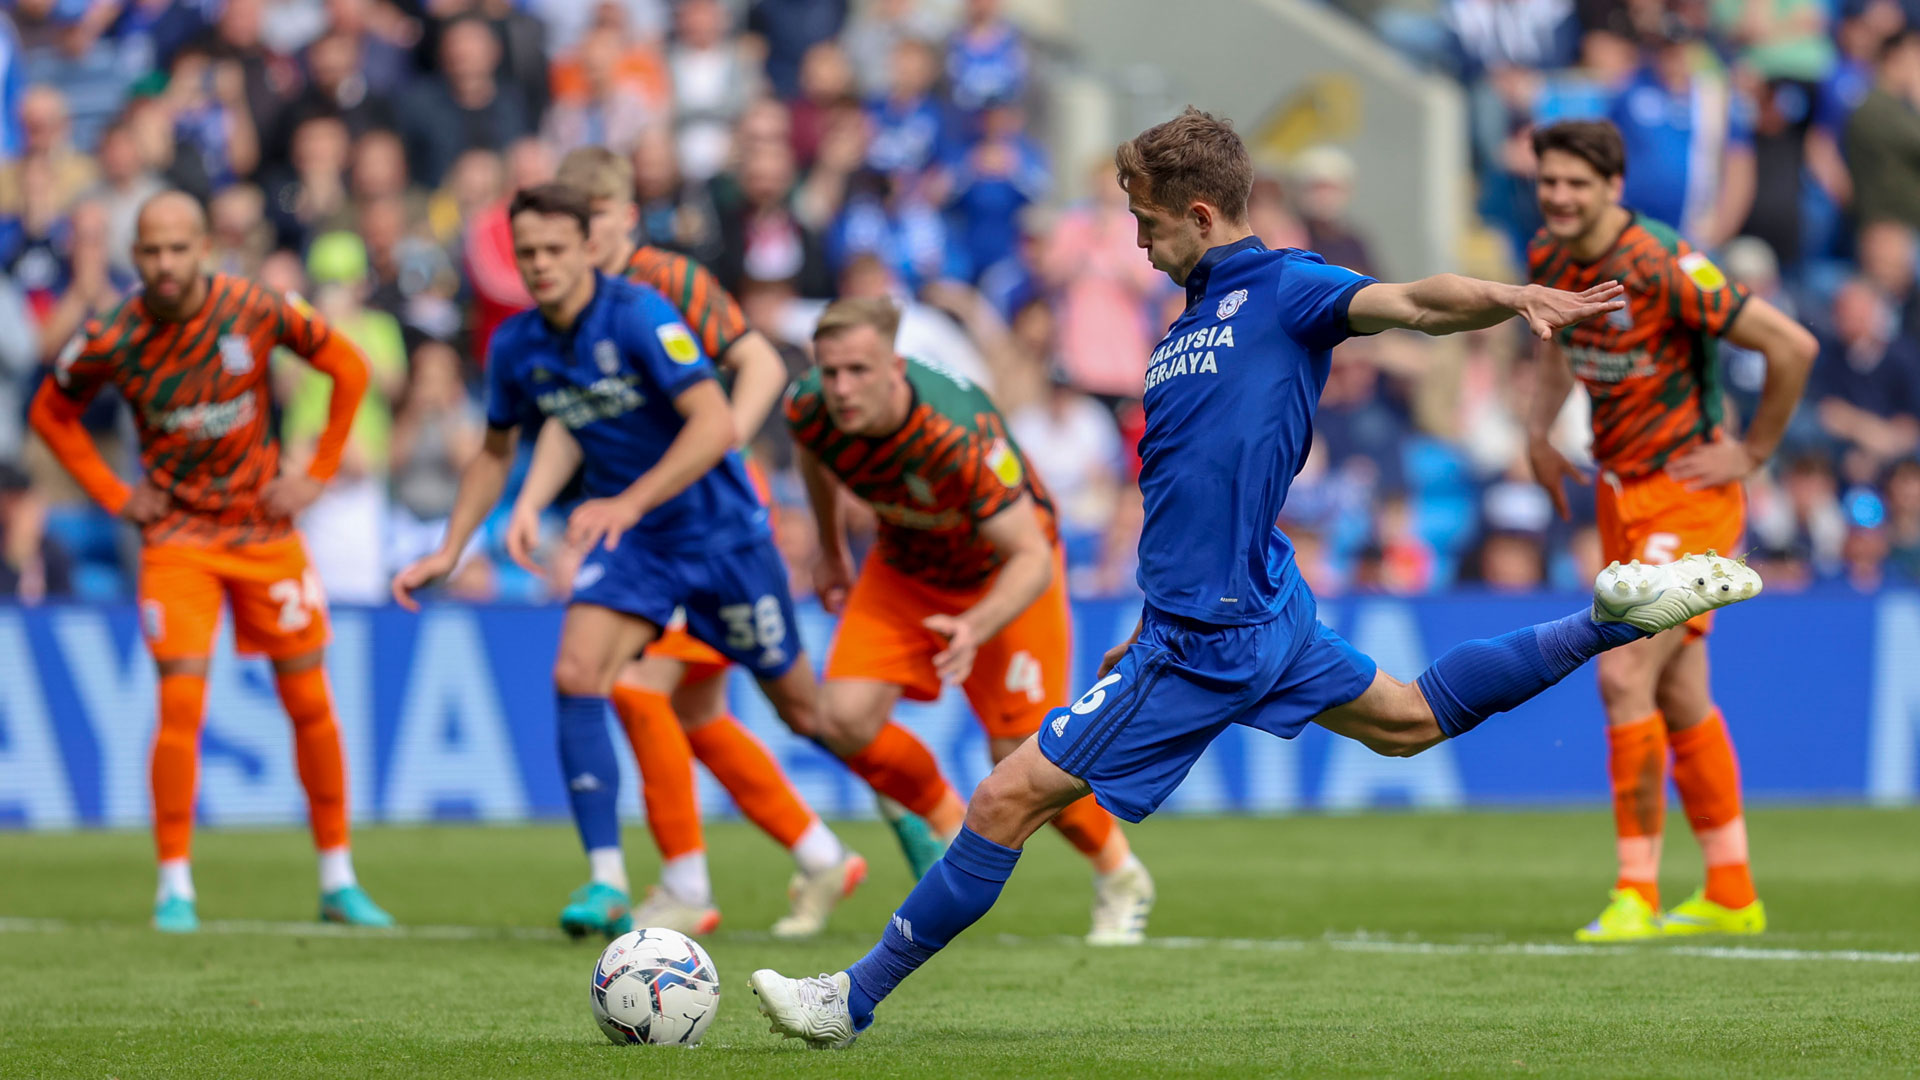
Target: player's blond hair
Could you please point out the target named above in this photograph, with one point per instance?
(598, 173)
(1194, 157)
(844, 315)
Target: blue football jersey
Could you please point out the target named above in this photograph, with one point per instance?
(611, 378)
(1231, 393)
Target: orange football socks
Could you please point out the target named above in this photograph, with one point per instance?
(666, 769)
(176, 763)
(1637, 760)
(1090, 829)
(898, 765)
(747, 770)
(316, 749)
(1708, 777)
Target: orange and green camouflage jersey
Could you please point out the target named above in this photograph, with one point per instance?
(1652, 368)
(711, 312)
(201, 401)
(950, 467)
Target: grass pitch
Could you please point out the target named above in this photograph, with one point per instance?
(1412, 945)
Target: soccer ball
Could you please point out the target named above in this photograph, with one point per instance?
(655, 986)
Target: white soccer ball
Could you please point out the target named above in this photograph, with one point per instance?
(655, 986)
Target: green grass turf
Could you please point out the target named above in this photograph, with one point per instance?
(97, 994)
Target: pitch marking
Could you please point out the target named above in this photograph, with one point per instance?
(1335, 943)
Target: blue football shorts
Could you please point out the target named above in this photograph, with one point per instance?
(1134, 735)
(735, 600)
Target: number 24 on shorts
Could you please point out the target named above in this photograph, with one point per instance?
(299, 599)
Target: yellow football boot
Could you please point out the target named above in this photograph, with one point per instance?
(1699, 915)
(1627, 918)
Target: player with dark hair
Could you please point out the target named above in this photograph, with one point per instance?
(190, 353)
(671, 521)
(672, 701)
(1671, 475)
(1230, 633)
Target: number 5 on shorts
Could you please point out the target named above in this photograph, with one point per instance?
(1661, 547)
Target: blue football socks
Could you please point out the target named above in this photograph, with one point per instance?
(591, 771)
(1476, 679)
(959, 889)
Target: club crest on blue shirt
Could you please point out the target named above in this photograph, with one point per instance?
(679, 343)
(607, 356)
(236, 354)
(1231, 304)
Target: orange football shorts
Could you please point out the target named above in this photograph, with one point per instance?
(1017, 675)
(279, 607)
(1657, 519)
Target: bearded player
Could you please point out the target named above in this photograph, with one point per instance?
(1230, 633)
(672, 702)
(966, 585)
(190, 354)
(1671, 475)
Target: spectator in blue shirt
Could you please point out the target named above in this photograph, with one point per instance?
(1859, 36)
(789, 28)
(1014, 282)
(1003, 173)
(987, 61)
(894, 223)
(1865, 387)
(211, 121)
(11, 83)
(1689, 140)
(910, 127)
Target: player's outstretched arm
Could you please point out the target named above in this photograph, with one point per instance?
(1015, 533)
(1450, 304)
(1790, 352)
(702, 442)
(556, 456)
(481, 483)
(759, 378)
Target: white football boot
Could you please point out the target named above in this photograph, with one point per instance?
(1656, 597)
(1122, 901)
(813, 897)
(663, 909)
(813, 1010)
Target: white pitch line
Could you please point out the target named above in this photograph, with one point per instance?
(1334, 943)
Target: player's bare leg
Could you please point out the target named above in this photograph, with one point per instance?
(1707, 775)
(826, 871)
(1023, 792)
(174, 769)
(595, 643)
(302, 685)
(1123, 893)
(683, 900)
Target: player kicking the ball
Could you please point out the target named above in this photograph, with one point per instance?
(966, 586)
(1230, 633)
(189, 352)
(672, 702)
(1670, 482)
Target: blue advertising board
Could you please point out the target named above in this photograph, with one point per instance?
(448, 715)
